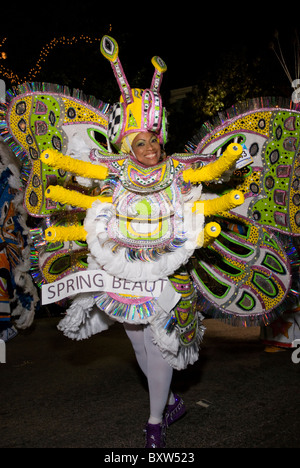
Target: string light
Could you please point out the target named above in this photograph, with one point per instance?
(15, 79)
(2, 42)
(3, 54)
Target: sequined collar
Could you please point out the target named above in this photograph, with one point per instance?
(138, 178)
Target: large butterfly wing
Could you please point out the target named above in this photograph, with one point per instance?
(271, 184)
(41, 116)
(244, 276)
(38, 119)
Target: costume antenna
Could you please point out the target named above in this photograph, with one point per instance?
(160, 68)
(110, 49)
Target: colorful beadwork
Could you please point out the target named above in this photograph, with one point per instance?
(185, 313)
(154, 222)
(271, 183)
(41, 120)
(148, 221)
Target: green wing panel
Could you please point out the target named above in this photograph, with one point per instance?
(244, 275)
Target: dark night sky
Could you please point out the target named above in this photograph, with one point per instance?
(190, 41)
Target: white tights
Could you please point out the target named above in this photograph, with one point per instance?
(158, 372)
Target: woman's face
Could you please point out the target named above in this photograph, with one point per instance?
(147, 149)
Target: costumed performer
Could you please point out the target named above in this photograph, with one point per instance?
(146, 148)
(145, 229)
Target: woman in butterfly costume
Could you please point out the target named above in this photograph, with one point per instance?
(145, 219)
(145, 233)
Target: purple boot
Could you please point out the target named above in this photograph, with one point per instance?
(175, 411)
(155, 435)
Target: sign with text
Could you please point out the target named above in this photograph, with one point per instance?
(97, 281)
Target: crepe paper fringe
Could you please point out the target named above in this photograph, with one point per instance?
(121, 311)
(179, 356)
(37, 245)
(211, 310)
(27, 88)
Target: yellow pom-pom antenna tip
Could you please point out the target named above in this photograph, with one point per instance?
(233, 150)
(109, 48)
(209, 234)
(159, 64)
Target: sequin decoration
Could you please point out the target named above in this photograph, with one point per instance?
(148, 179)
(185, 314)
(147, 221)
(40, 120)
(243, 274)
(271, 184)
